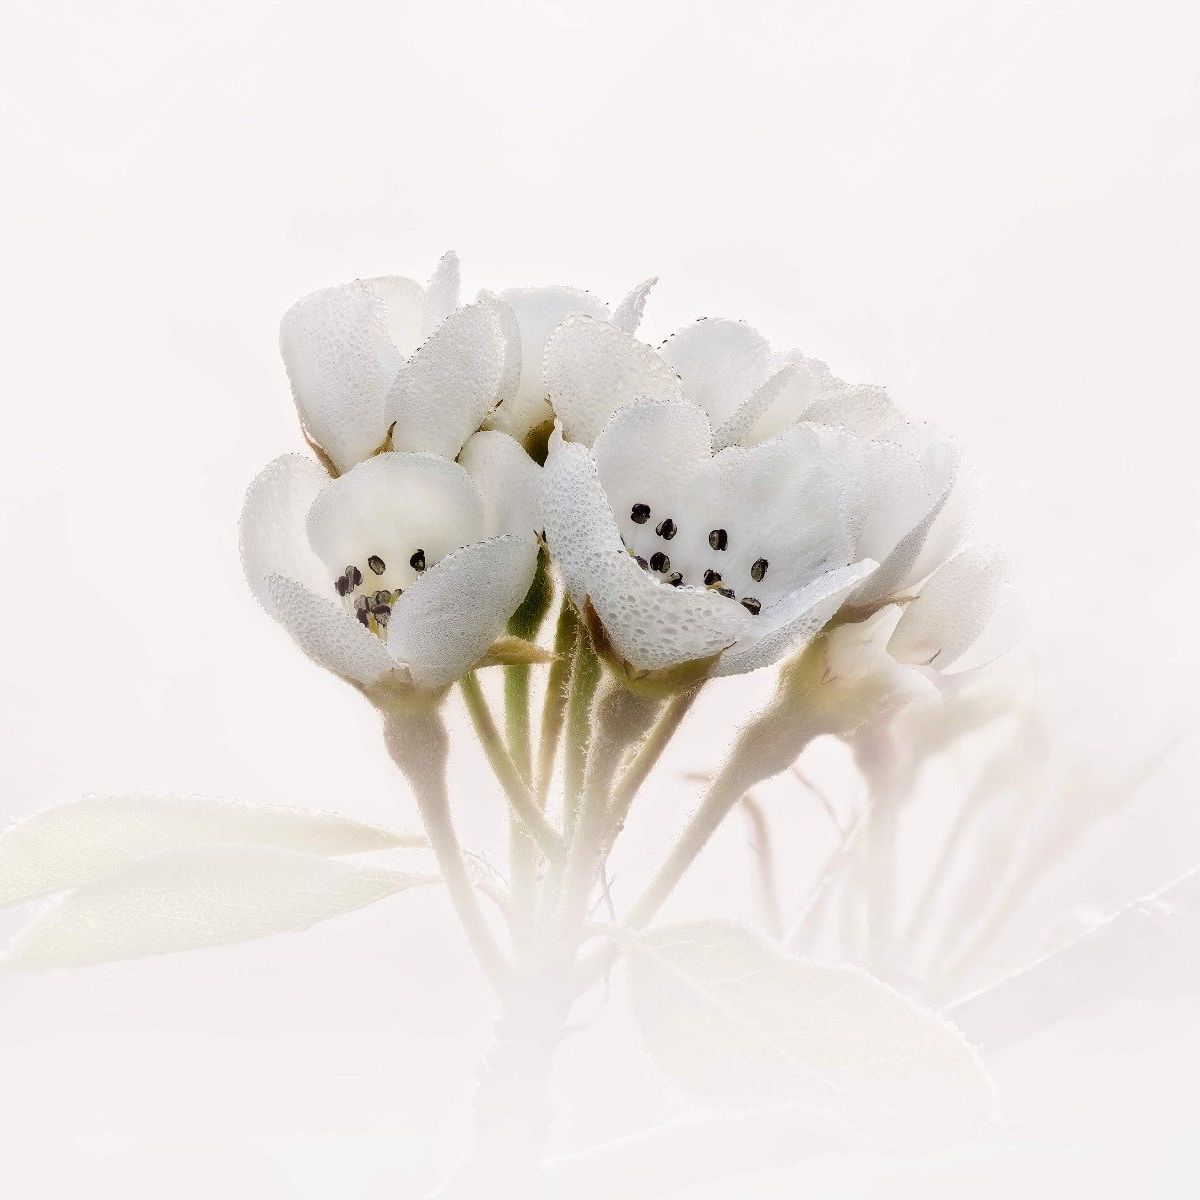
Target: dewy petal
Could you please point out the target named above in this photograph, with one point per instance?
(341, 364)
(748, 416)
(579, 522)
(721, 363)
(391, 506)
(441, 296)
(954, 607)
(654, 626)
(792, 619)
(271, 532)
(593, 369)
(327, 633)
(509, 482)
(627, 316)
(510, 383)
(445, 621)
(451, 383)
(537, 311)
(403, 302)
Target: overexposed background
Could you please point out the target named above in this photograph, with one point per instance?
(989, 208)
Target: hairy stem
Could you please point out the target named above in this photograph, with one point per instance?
(585, 675)
(515, 788)
(554, 706)
(419, 746)
(523, 853)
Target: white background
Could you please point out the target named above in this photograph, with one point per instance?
(989, 208)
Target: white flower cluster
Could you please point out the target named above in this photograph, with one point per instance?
(709, 505)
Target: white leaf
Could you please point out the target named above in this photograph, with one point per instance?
(738, 1022)
(96, 835)
(200, 896)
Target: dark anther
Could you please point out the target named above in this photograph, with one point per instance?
(639, 514)
(727, 592)
(666, 529)
(362, 616)
(417, 562)
(711, 577)
(718, 539)
(754, 606)
(361, 604)
(354, 575)
(342, 584)
(376, 564)
(659, 561)
(641, 562)
(758, 570)
(675, 578)
(381, 617)
(380, 610)
(382, 597)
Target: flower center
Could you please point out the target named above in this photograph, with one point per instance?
(370, 594)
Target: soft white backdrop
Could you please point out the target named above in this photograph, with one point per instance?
(989, 208)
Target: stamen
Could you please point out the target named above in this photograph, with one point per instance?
(659, 561)
(675, 578)
(666, 529)
(363, 617)
(639, 514)
(361, 604)
(711, 577)
(417, 562)
(718, 539)
(759, 570)
(751, 604)
(376, 564)
(641, 562)
(354, 575)
(383, 597)
(728, 592)
(342, 585)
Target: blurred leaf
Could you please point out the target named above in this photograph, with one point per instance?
(200, 896)
(94, 836)
(738, 1022)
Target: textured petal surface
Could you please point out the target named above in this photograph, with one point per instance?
(200, 896)
(593, 370)
(654, 626)
(739, 427)
(94, 836)
(954, 607)
(509, 482)
(451, 383)
(721, 363)
(327, 633)
(579, 523)
(390, 507)
(441, 296)
(445, 622)
(537, 311)
(403, 303)
(627, 315)
(271, 531)
(792, 620)
(341, 364)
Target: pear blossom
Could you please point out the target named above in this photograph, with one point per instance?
(400, 574)
(682, 554)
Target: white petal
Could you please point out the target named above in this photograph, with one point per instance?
(721, 362)
(403, 302)
(861, 408)
(593, 370)
(200, 896)
(510, 382)
(445, 622)
(327, 633)
(646, 454)
(341, 364)
(94, 836)
(628, 314)
(748, 415)
(654, 626)
(954, 607)
(792, 620)
(509, 482)
(389, 507)
(538, 310)
(271, 531)
(451, 383)
(441, 296)
(579, 522)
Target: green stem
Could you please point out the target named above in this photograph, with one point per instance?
(554, 707)
(585, 675)
(515, 788)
